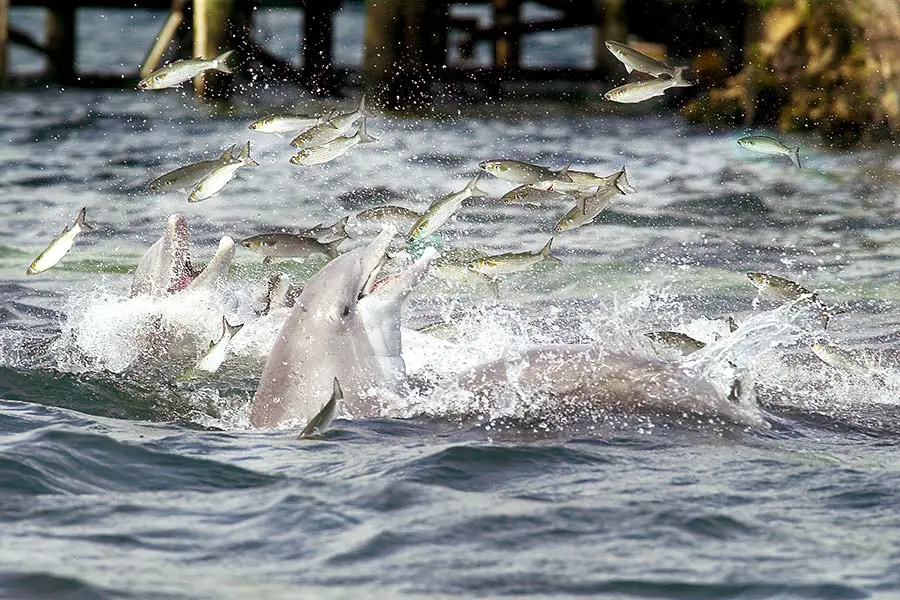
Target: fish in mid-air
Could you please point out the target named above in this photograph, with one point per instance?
(327, 234)
(328, 151)
(786, 290)
(442, 209)
(178, 72)
(219, 177)
(289, 245)
(332, 128)
(188, 176)
(852, 361)
(215, 355)
(59, 247)
(635, 60)
(676, 340)
(279, 124)
(511, 262)
(523, 173)
(631, 93)
(324, 417)
(767, 145)
(399, 216)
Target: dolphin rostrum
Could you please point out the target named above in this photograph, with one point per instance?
(334, 330)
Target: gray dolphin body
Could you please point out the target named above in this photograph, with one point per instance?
(583, 383)
(342, 325)
(166, 266)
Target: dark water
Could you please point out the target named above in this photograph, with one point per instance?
(117, 482)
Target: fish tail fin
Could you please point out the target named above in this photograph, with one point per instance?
(230, 329)
(245, 156)
(563, 174)
(545, 252)
(332, 248)
(340, 228)
(678, 78)
(364, 137)
(362, 110)
(79, 220)
(795, 156)
(228, 154)
(220, 63)
(473, 188)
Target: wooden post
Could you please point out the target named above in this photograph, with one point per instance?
(60, 42)
(4, 43)
(210, 33)
(317, 42)
(610, 19)
(506, 20)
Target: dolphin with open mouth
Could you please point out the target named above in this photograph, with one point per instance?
(345, 324)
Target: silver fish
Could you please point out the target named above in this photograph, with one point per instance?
(180, 71)
(635, 60)
(786, 290)
(215, 356)
(219, 177)
(399, 216)
(332, 128)
(188, 176)
(328, 234)
(279, 124)
(328, 151)
(676, 340)
(851, 361)
(288, 245)
(631, 93)
(511, 262)
(526, 194)
(587, 207)
(324, 417)
(455, 274)
(766, 145)
(520, 172)
(59, 247)
(442, 209)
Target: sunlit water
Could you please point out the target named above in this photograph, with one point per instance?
(119, 482)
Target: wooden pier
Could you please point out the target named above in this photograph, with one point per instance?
(406, 41)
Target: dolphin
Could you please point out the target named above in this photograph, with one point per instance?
(166, 266)
(572, 383)
(343, 325)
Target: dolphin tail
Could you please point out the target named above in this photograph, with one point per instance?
(473, 189)
(795, 156)
(220, 63)
(364, 137)
(545, 252)
(79, 220)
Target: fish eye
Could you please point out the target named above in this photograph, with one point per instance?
(157, 78)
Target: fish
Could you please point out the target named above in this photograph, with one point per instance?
(511, 262)
(217, 179)
(635, 60)
(587, 207)
(188, 176)
(631, 93)
(214, 356)
(329, 234)
(288, 245)
(676, 340)
(332, 128)
(442, 209)
(396, 215)
(59, 247)
(178, 72)
(851, 361)
(279, 124)
(786, 290)
(523, 173)
(526, 194)
(317, 155)
(455, 274)
(767, 145)
(439, 329)
(323, 418)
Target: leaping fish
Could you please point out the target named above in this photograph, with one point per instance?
(634, 60)
(327, 234)
(332, 128)
(766, 145)
(279, 124)
(631, 93)
(317, 155)
(786, 290)
(511, 262)
(523, 173)
(324, 417)
(188, 176)
(219, 177)
(59, 247)
(399, 216)
(215, 355)
(180, 71)
(442, 209)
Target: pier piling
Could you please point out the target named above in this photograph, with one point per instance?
(210, 34)
(60, 42)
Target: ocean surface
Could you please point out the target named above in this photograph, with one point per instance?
(117, 481)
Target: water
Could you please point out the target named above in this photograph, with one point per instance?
(118, 483)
